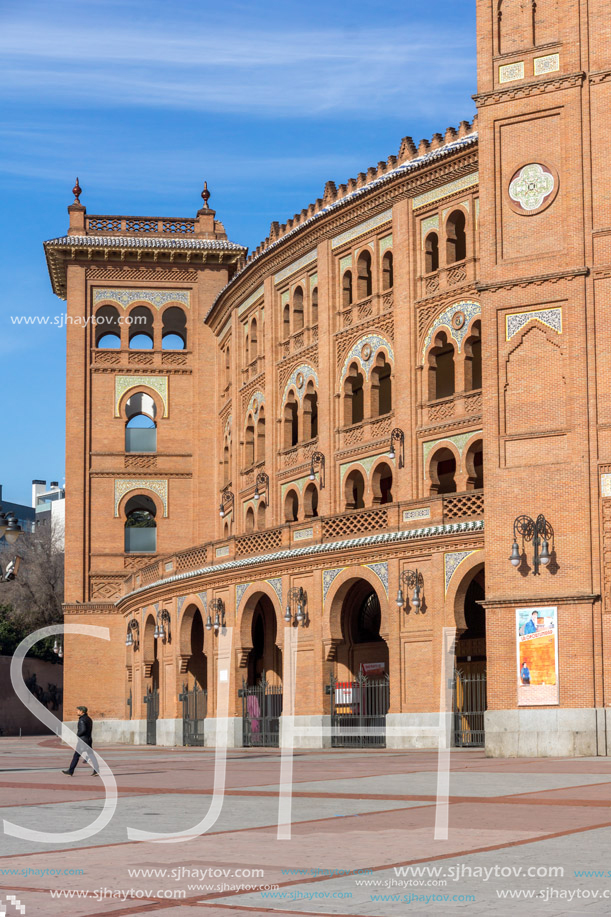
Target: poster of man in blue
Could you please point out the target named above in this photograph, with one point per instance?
(537, 656)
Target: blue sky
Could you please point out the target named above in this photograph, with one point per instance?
(145, 100)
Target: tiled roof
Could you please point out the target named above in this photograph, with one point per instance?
(406, 167)
(144, 242)
(431, 531)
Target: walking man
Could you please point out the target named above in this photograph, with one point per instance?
(85, 725)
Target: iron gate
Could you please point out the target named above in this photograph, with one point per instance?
(152, 712)
(261, 712)
(194, 709)
(469, 707)
(358, 712)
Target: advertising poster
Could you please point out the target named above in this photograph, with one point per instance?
(537, 656)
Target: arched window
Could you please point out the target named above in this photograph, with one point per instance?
(364, 277)
(387, 271)
(226, 530)
(431, 253)
(246, 348)
(291, 422)
(253, 339)
(174, 329)
(381, 387)
(315, 306)
(227, 365)
(261, 436)
(249, 443)
(347, 289)
(291, 506)
(297, 309)
(474, 463)
(353, 396)
(107, 329)
(473, 358)
(354, 490)
(456, 237)
(226, 462)
(249, 523)
(286, 321)
(140, 526)
(310, 412)
(141, 329)
(140, 429)
(441, 368)
(443, 471)
(310, 501)
(261, 515)
(382, 484)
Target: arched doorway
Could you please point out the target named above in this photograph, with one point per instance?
(360, 694)
(151, 673)
(194, 695)
(470, 660)
(262, 691)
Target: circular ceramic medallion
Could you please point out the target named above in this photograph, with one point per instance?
(532, 188)
(366, 351)
(299, 380)
(458, 320)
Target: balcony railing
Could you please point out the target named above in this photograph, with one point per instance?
(117, 225)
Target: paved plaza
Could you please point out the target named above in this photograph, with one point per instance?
(523, 834)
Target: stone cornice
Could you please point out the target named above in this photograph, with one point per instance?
(540, 601)
(534, 280)
(89, 608)
(600, 76)
(331, 548)
(532, 88)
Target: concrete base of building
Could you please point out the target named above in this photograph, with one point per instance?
(169, 732)
(532, 733)
(308, 732)
(232, 724)
(415, 730)
(127, 732)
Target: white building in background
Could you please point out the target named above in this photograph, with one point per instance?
(50, 505)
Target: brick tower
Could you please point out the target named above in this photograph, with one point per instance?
(544, 101)
(140, 358)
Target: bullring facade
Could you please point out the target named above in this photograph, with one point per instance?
(322, 449)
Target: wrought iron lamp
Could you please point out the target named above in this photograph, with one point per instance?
(296, 610)
(163, 621)
(218, 607)
(540, 532)
(411, 579)
(397, 436)
(9, 527)
(133, 634)
(227, 500)
(262, 481)
(318, 459)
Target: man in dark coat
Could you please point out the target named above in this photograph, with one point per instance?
(85, 726)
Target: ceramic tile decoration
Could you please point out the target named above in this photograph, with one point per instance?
(515, 321)
(510, 72)
(124, 486)
(452, 562)
(327, 579)
(301, 374)
(156, 298)
(458, 331)
(276, 584)
(159, 384)
(438, 194)
(239, 594)
(303, 534)
(364, 355)
(531, 186)
(423, 512)
(548, 64)
(381, 571)
(459, 440)
(361, 228)
(251, 299)
(295, 266)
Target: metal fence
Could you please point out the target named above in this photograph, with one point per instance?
(261, 712)
(358, 712)
(469, 707)
(152, 712)
(194, 710)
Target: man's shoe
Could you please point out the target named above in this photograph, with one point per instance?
(70, 773)
(95, 774)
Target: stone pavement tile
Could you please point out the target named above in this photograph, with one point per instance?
(461, 784)
(167, 813)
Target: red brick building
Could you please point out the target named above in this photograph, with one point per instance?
(374, 397)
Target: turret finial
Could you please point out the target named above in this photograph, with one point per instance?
(206, 195)
(77, 191)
